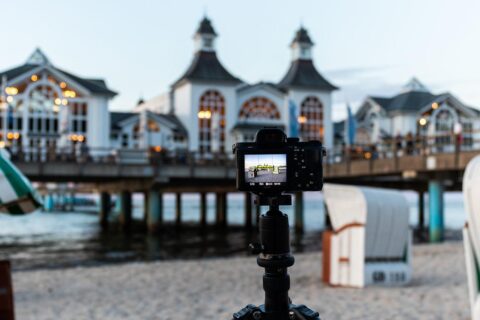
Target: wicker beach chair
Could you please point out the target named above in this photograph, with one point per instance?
(370, 241)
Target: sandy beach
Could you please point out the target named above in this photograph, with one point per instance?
(215, 288)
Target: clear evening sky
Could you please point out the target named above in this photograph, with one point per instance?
(365, 47)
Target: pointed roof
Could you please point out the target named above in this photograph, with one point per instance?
(303, 74)
(415, 85)
(38, 59)
(301, 36)
(413, 97)
(206, 27)
(205, 66)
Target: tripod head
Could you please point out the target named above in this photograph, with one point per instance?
(275, 257)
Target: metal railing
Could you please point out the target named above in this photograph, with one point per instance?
(386, 149)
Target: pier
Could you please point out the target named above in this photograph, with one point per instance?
(421, 170)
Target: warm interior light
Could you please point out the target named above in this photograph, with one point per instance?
(64, 102)
(58, 101)
(34, 77)
(434, 105)
(368, 155)
(11, 91)
(302, 119)
(73, 137)
(69, 94)
(63, 85)
(2, 144)
(158, 148)
(80, 138)
(208, 114)
(422, 121)
(10, 135)
(16, 135)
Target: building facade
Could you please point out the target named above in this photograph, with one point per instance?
(438, 120)
(218, 109)
(46, 110)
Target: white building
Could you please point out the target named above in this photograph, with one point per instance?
(218, 109)
(415, 111)
(45, 109)
(205, 111)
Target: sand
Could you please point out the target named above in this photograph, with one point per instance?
(215, 288)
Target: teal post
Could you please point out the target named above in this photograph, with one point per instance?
(126, 209)
(435, 198)
(49, 204)
(154, 210)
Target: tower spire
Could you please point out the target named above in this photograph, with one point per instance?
(301, 45)
(205, 36)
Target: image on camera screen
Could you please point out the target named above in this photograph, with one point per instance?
(265, 169)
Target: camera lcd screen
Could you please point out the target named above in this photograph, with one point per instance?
(265, 169)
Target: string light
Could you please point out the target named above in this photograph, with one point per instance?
(422, 121)
(64, 102)
(302, 119)
(58, 101)
(63, 85)
(34, 77)
(11, 91)
(69, 94)
(434, 106)
(10, 99)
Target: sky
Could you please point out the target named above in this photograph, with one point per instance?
(369, 47)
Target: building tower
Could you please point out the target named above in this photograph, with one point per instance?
(308, 92)
(204, 96)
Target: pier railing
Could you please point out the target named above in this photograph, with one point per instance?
(403, 151)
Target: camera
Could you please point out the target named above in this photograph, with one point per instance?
(274, 164)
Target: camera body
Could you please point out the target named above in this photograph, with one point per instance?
(274, 164)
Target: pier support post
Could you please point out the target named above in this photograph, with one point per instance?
(248, 209)
(125, 209)
(203, 209)
(421, 211)
(178, 209)
(154, 210)
(105, 208)
(49, 203)
(299, 212)
(435, 197)
(221, 215)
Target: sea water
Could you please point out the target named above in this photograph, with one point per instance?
(62, 239)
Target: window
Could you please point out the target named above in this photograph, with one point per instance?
(259, 108)
(211, 122)
(311, 119)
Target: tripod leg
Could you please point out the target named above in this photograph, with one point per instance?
(303, 312)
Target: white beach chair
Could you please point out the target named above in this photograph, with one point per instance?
(371, 241)
(471, 232)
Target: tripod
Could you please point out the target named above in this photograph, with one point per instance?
(275, 257)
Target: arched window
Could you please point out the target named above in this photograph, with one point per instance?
(311, 119)
(444, 120)
(259, 108)
(211, 122)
